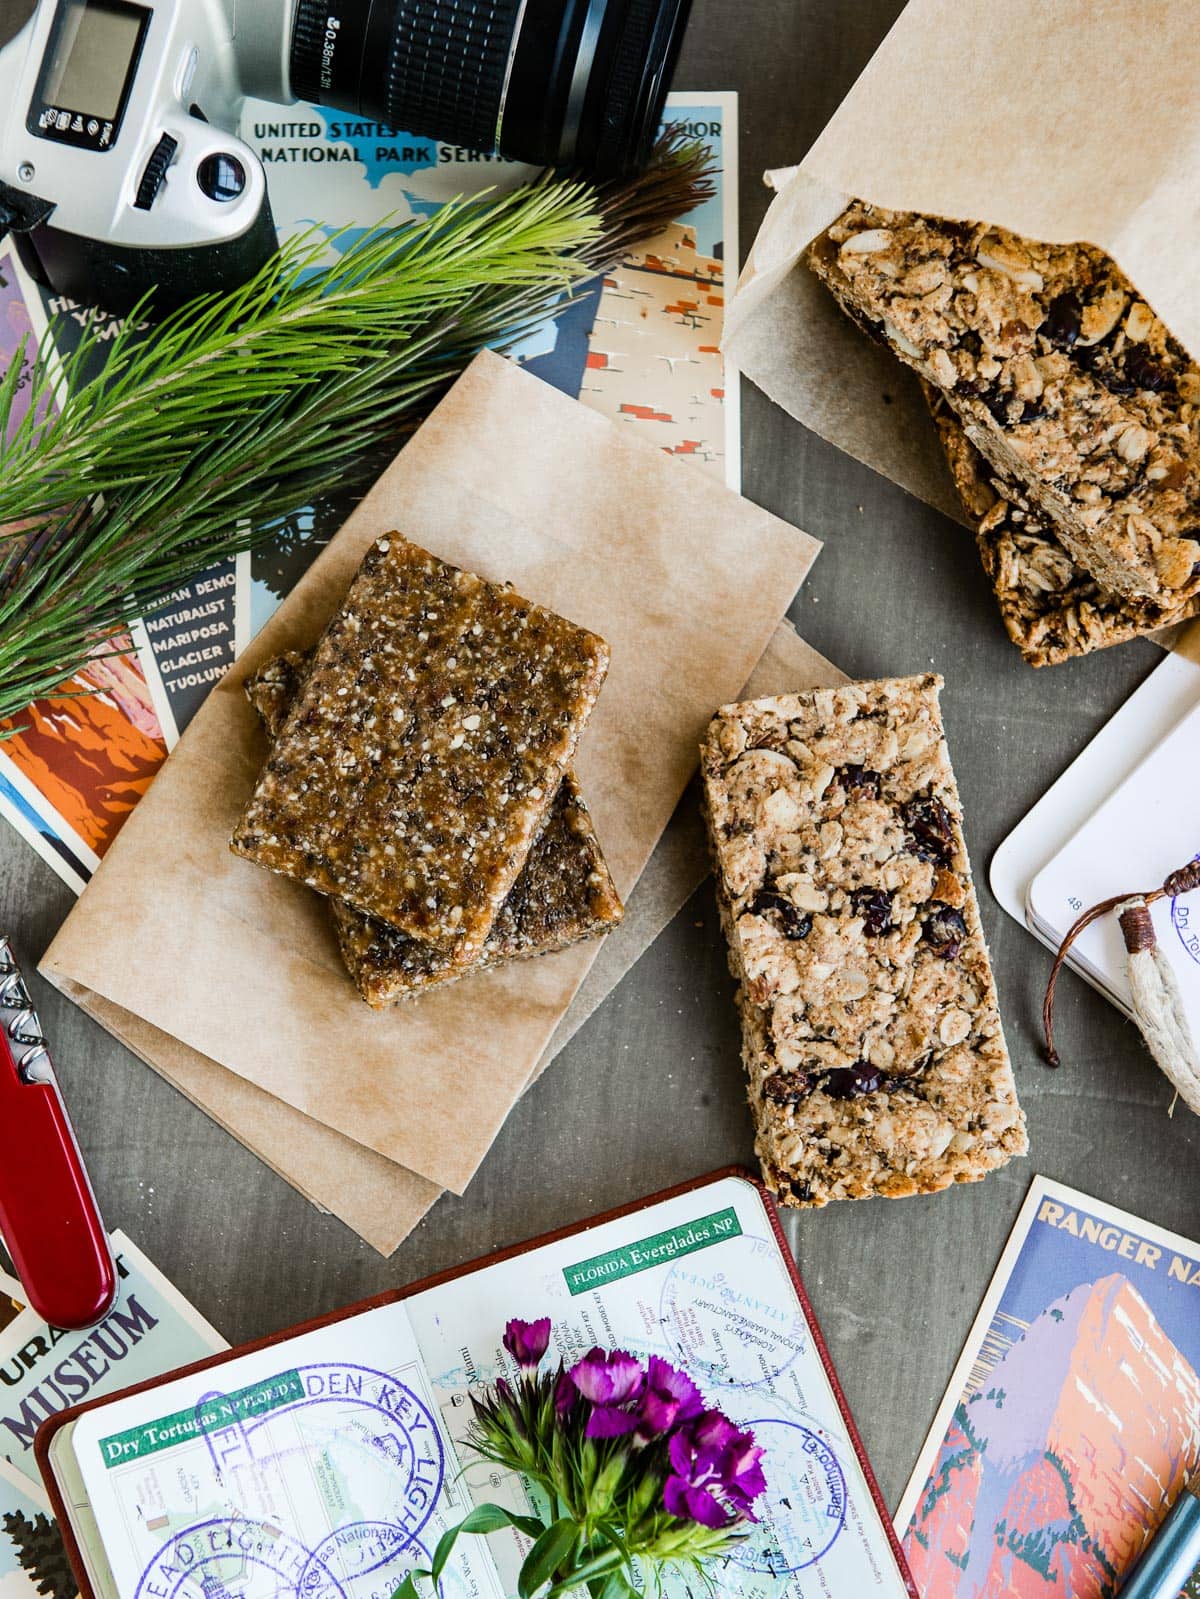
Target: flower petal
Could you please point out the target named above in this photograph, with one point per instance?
(656, 1415)
(628, 1378)
(714, 1431)
(680, 1450)
(608, 1378)
(675, 1498)
(527, 1341)
(565, 1394)
(674, 1384)
(590, 1376)
(608, 1422)
(702, 1507)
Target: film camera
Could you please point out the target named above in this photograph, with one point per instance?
(120, 171)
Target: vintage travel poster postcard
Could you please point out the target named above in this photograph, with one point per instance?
(1073, 1417)
(43, 1370)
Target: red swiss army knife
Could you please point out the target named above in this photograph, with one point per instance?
(48, 1215)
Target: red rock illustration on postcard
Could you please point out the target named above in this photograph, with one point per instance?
(1079, 1419)
(91, 753)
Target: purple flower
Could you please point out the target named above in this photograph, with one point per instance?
(610, 1382)
(716, 1472)
(608, 1379)
(609, 1421)
(565, 1395)
(670, 1399)
(527, 1341)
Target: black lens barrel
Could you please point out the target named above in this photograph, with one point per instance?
(627, 88)
(553, 82)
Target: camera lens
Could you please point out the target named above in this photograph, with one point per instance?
(553, 82)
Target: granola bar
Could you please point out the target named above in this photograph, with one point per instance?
(564, 894)
(1053, 611)
(419, 762)
(1064, 379)
(871, 1034)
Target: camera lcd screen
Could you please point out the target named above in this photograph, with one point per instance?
(94, 49)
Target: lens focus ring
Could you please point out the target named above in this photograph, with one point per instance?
(623, 135)
(448, 65)
(309, 31)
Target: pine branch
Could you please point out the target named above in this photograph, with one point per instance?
(205, 438)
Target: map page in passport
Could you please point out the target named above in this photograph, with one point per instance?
(329, 1464)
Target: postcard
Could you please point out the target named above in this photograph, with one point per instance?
(641, 345)
(33, 1562)
(151, 1329)
(1072, 1420)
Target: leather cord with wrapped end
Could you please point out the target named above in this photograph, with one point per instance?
(1158, 1006)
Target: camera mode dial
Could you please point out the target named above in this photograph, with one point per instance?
(156, 172)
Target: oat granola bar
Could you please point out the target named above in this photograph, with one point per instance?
(564, 894)
(421, 758)
(1053, 610)
(1064, 379)
(871, 1034)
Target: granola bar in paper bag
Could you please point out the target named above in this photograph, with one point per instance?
(1068, 122)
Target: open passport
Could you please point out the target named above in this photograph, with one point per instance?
(327, 1462)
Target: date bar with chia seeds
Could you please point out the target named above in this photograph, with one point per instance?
(871, 1035)
(564, 894)
(1062, 376)
(426, 746)
(1053, 610)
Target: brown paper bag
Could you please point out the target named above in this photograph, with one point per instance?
(1063, 121)
(686, 580)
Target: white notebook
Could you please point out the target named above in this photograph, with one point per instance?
(327, 1463)
(1148, 827)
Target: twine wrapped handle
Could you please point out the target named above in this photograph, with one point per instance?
(1157, 1002)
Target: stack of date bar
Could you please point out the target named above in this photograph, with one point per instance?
(419, 776)
(1068, 413)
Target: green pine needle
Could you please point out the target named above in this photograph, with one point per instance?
(203, 439)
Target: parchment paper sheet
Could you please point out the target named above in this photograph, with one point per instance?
(1062, 120)
(687, 582)
(1187, 641)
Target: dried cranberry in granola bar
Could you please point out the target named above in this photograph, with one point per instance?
(1063, 377)
(872, 1039)
(564, 894)
(1053, 611)
(426, 746)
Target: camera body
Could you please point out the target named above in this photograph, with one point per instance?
(115, 156)
(120, 172)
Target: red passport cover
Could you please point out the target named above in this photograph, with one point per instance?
(49, 1428)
